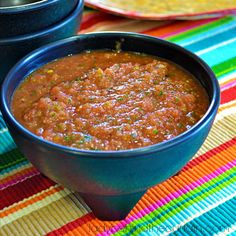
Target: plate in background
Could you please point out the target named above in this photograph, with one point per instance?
(159, 10)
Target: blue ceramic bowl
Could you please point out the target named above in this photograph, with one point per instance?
(32, 17)
(14, 48)
(111, 182)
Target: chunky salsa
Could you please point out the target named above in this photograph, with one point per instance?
(109, 100)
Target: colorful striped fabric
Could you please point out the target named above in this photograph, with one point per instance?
(199, 200)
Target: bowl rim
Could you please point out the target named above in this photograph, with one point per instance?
(27, 7)
(46, 31)
(210, 113)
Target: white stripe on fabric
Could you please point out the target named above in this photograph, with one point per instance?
(204, 51)
(3, 130)
(211, 206)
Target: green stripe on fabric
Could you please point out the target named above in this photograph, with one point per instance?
(186, 200)
(225, 67)
(14, 167)
(11, 158)
(184, 204)
(219, 219)
(202, 28)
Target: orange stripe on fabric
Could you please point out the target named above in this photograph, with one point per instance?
(226, 106)
(187, 176)
(31, 200)
(184, 178)
(79, 222)
(88, 15)
(18, 174)
(209, 154)
(153, 195)
(226, 81)
(171, 28)
(60, 209)
(98, 18)
(86, 225)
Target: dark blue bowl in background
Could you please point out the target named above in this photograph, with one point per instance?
(32, 17)
(111, 182)
(14, 48)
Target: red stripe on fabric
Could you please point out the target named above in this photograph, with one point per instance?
(192, 24)
(88, 15)
(98, 17)
(175, 27)
(228, 95)
(160, 26)
(84, 219)
(209, 154)
(73, 224)
(24, 189)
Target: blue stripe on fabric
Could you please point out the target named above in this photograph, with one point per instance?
(232, 233)
(199, 36)
(15, 167)
(2, 123)
(190, 211)
(212, 40)
(220, 54)
(6, 141)
(195, 209)
(219, 219)
(206, 39)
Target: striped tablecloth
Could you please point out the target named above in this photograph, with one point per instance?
(200, 200)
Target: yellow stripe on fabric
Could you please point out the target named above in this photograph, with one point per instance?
(46, 218)
(15, 171)
(227, 78)
(226, 108)
(222, 131)
(19, 209)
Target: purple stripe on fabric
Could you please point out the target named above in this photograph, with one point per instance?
(228, 86)
(18, 179)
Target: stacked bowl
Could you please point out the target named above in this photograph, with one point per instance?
(28, 24)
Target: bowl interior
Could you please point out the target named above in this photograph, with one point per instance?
(126, 42)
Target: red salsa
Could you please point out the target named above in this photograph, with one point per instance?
(108, 100)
